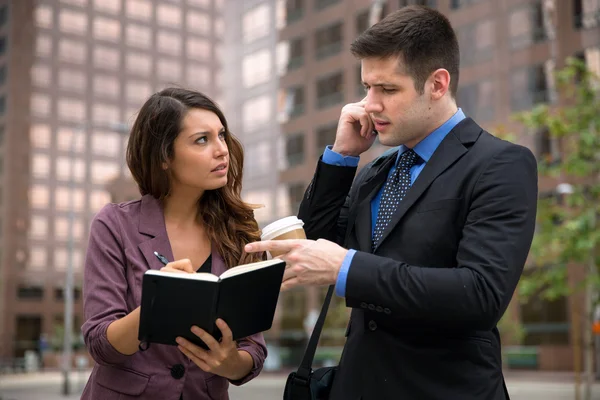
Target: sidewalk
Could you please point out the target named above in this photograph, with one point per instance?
(513, 377)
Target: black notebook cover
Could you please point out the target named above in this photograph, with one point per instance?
(172, 303)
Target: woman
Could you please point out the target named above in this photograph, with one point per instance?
(188, 168)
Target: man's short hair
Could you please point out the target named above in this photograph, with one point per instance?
(421, 37)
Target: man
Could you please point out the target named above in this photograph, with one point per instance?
(435, 232)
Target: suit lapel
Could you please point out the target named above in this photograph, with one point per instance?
(152, 223)
(366, 193)
(447, 153)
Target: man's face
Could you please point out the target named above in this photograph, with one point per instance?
(400, 114)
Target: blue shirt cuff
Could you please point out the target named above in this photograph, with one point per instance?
(333, 158)
(340, 284)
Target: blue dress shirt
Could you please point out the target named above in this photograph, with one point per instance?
(424, 149)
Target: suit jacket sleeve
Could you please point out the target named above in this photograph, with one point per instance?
(324, 208)
(491, 255)
(256, 347)
(104, 286)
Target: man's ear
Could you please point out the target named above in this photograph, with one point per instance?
(439, 82)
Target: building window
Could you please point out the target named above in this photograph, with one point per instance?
(296, 194)
(98, 199)
(59, 295)
(30, 292)
(325, 136)
(43, 16)
(454, 4)
(586, 14)
(103, 171)
(477, 41)
(106, 57)
(38, 227)
(545, 322)
(330, 90)
(73, 80)
(40, 75)
(108, 6)
(256, 113)
(39, 136)
(328, 41)
(197, 75)
(168, 15)
(477, 100)
(256, 68)
(169, 70)
(72, 51)
(40, 166)
(70, 140)
(106, 144)
(526, 26)
(296, 58)
(43, 46)
(295, 101)
(38, 258)
(139, 9)
(198, 22)
(107, 29)
(106, 86)
(362, 19)
(71, 110)
(294, 10)
(61, 259)
(39, 197)
(198, 49)
(66, 199)
(528, 87)
(258, 159)
(105, 113)
(73, 22)
(65, 166)
(138, 36)
(61, 228)
(2, 105)
(321, 4)
(169, 43)
(138, 63)
(138, 92)
(3, 15)
(256, 23)
(40, 105)
(294, 150)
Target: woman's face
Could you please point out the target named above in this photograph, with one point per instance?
(201, 157)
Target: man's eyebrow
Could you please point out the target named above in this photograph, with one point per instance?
(380, 84)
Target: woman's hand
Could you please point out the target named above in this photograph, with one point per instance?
(183, 265)
(223, 358)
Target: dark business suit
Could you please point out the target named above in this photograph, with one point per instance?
(426, 302)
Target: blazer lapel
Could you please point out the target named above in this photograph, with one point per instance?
(152, 224)
(450, 150)
(366, 193)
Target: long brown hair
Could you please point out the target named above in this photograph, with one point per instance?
(229, 221)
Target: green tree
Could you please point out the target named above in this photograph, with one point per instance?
(568, 224)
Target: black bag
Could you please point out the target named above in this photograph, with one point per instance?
(306, 384)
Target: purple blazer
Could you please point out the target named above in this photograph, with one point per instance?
(122, 240)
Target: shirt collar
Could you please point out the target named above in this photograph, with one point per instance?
(426, 147)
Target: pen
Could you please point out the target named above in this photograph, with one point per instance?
(161, 258)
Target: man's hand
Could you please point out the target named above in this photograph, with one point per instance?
(354, 134)
(309, 262)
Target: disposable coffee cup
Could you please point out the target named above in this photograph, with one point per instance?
(285, 228)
